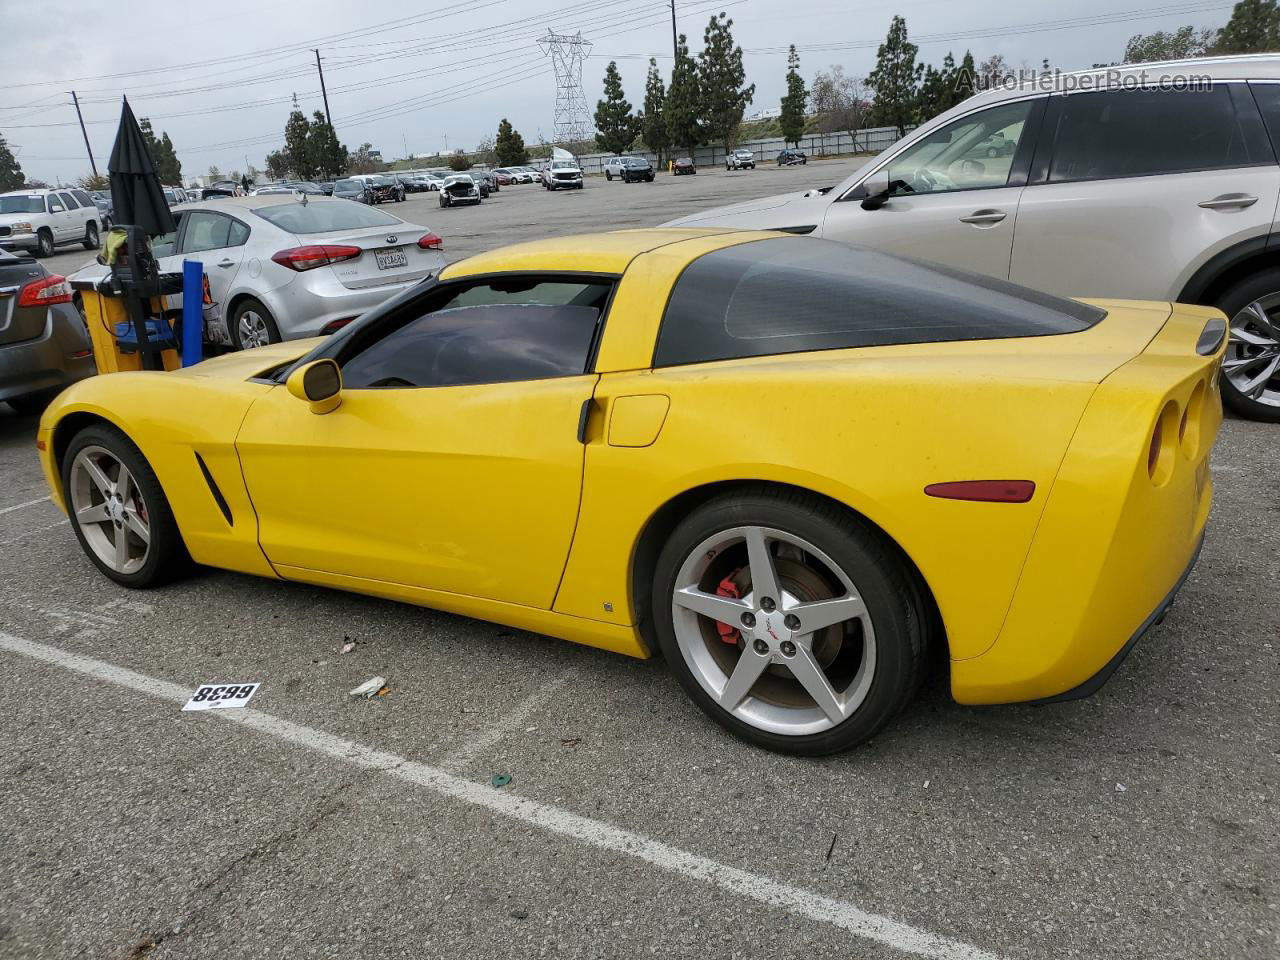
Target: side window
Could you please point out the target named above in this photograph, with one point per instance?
(205, 231)
(167, 245)
(84, 198)
(1142, 133)
(238, 234)
(68, 202)
(55, 205)
(970, 153)
(498, 331)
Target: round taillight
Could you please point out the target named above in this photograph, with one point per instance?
(1157, 441)
(1164, 444)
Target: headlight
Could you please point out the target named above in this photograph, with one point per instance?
(20, 227)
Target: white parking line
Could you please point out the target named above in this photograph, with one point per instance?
(507, 723)
(50, 526)
(594, 833)
(22, 506)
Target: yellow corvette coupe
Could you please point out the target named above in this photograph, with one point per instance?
(794, 467)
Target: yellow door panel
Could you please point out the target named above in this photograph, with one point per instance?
(467, 489)
(635, 421)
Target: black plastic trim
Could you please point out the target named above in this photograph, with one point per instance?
(1209, 271)
(218, 498)
(1096, 682)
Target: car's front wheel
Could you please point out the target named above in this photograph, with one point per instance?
(1251, 368)
(44, 243)
(119, 511)
(91, 236)
(252, 325)
(789, 621)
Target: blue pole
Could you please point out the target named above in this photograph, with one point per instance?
(192, 311)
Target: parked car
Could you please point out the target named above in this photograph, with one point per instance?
(106, 208)
(740, 159)
(326, 187)
(628, 169)
(308, 187)
(798, 599)
(504, 176)
(42, 220)
(174, 196)
(529, 174)
(459, 189)
(43, 341)
(562, 173)
(280, 268)
(682, 166)
(1131, 186)
(351, 188)
(488, 179)
(192, 195)
(791, 158)
(387, 188)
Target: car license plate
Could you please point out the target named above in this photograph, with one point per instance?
(390, 257)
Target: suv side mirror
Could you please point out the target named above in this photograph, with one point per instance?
(875, 190)
(319, 383)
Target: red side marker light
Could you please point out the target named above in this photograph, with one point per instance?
(40, 445)
(985, 491)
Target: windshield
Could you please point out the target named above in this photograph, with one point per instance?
(347, 185)
(31, 204)
(564, 165)
(324, 216)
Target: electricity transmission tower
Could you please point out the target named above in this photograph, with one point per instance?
(567, 53)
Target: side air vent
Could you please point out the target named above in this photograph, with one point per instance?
(218, 498)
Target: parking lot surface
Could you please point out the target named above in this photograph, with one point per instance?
(1141, 823)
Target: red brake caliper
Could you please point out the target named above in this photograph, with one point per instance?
(728, 588)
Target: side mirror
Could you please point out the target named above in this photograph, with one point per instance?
(319, 383)
(876, 189)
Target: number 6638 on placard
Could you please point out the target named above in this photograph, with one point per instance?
(221, 696)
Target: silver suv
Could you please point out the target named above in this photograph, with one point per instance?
(1149, 181)
(41, 220)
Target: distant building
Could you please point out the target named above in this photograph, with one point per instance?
(768, 113)
(375, 155)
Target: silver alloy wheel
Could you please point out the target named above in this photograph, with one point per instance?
(1253, 351)
(773, 676)
(253, 330)
(109, 510)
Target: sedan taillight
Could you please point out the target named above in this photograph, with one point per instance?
(45, 292)
(319, 255)
(429, 241)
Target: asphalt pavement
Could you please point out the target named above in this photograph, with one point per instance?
(1140, 823)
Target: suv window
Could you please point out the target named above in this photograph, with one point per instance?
(496, 331)
(1142, 133)
(55, 205)
(84, 198)
(792, 295)
(973, 152)
(205, 230)
(68, 202)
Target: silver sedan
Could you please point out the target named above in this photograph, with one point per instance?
(284, 267)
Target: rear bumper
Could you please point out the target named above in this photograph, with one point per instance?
(46, 363)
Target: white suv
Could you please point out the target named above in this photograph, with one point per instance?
(41, 220)
(1149, 181)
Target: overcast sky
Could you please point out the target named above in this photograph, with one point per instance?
(417, 74)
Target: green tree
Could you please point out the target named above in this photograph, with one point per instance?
(896, 80)
(793, 104)
(509, 146)
(362, 161)
(91, 182)
(1254, 27)
(720, 76)
(653, 121)
(616, 126)
(328, 157)
(167, 163)
(297, 144)
(214, 173)
(684, 101)
(277, 165)
(1171, 45)
(459, 162)
(966, 77)
(11, 176)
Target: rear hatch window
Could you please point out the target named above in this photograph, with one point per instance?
(319, 216)
(791, 295)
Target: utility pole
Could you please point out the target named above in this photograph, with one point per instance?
(85, 133)
(675, 46)
(324, 93)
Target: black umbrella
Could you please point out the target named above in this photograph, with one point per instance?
(136, 193)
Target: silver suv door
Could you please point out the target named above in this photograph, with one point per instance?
(953, 193)
(1132, 190)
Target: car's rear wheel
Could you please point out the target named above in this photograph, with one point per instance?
(1251, 369)
(44, 243)
(252, 325)
(91, 236)
(119, 511)
(789, 621)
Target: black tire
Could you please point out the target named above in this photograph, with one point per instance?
(608, 176)
(243, 307)
(91, 241)
(887, 586)
(443, 202)
(1231, 302)
(44, 241)
(167, 558)
(31, 404)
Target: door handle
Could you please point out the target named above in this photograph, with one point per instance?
(584, 416)
(226, 263)
(1229, 200)
(984, 217)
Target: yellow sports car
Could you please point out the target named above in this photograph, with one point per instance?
(794, 467)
